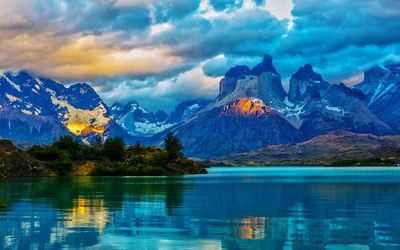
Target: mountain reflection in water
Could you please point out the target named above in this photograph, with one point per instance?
(291, 208)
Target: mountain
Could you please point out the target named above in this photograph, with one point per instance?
(186, 110)
(138, 121)
(381, 87)
(253, 110)
(262, 82)
(318, 107)
(39, 110)
(334, 148)
(243, 117)
(238, 126)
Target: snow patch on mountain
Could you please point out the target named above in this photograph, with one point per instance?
(81, 121)
(12, 98)
(335, 109)
(147, 128)
(380, 91)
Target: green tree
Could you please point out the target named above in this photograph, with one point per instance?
(70, 145)
(137, 148)
(173, 147)
(114, 149)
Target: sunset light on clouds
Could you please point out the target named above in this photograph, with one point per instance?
(140, 47)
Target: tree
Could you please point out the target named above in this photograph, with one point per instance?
(70, 145)
(114, 149)
(173, 147)
(137, 148)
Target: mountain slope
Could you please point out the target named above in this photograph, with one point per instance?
(39, 110)
(239, 126)
(138, 121)
(186, 110)
(382, 89)
(335, 148)
(326, 107)
(17, 163)
(243, 117)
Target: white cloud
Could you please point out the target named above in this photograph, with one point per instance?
(280, 8)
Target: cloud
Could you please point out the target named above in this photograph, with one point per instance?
(168, 91)
(163, 51)
(322, 27)
(245, 32)
(220, 5)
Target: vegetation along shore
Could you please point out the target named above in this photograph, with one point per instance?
(69, 156)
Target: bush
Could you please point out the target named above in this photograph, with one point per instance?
(114, 149)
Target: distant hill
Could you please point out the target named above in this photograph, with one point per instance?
(336, 148)
(17, 163)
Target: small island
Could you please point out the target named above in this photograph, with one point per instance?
(68, 156)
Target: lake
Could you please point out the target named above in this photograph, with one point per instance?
(230, 208)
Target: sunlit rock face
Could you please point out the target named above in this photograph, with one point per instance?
(235, 127)
(39, 110)
(262, 82)
(247, 107)
(381, 87)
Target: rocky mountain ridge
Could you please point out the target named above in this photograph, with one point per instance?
(252, 111)
(311, 107)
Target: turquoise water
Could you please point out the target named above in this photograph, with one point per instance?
(231, 208)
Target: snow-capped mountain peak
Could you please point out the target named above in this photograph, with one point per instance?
(26, 100)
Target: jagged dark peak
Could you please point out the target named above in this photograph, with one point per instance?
(86, 94)
(82, 88)
(375, 73)
(265, 66)
(161, 115)
(118, 108)
(306, 73)
(80, 85)
(350, 91)
(51, 83)
(238, 71)
(123, 108)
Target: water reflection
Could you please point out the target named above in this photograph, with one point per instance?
(87, 213)
(201, 212)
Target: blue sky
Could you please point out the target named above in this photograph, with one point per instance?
(161, 52)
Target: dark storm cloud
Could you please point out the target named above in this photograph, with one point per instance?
(342, 38)
(248, 32)
(322, 27)
(161, 51)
